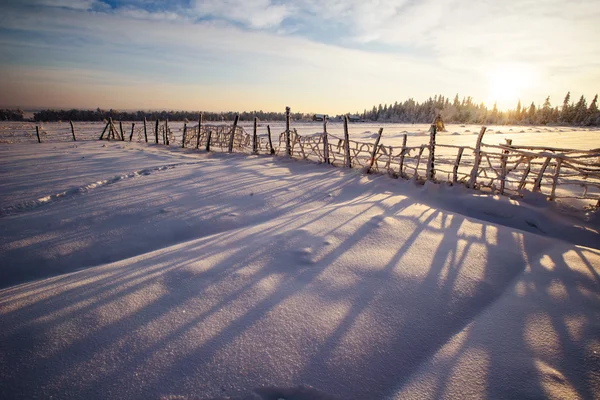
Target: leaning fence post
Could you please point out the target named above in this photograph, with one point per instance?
(504, 159)
(145, 131)
(235, 122)
(288, 148)
(374, 153)
(199, 130)
(113, 129)
(184, 132)
(475, 169)
(402, 155)
(431, 160)
(537, 186)
(37, 132)
(208, 136)
(131, 135)
(555, 178)
(456, 165)
(325, 141)
(121, 130)
(347, 160)
(272, 150)
(105, 128)
(255, 137)
(73, 130)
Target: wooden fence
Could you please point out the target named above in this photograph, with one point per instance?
(505, 169)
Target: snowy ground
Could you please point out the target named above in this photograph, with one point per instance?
(137, 271)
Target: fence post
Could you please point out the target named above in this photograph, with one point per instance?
(402, 155)
(121, 130)
(288, 149)
(73, 130)
(131, 135)
(272, 150)
(156, 131)
(374, 153)
(235, 122)
(555, 178)
(166, 137)
(255, 137)
(325, 141)
(347, 160)
(475, 170)
(145, 131)
(112, 129)
(504, 159)
(184, 132)
(537, 186)
(456, 165)
(208, 136)
(37, 132)
(431, 161)
(524, 177)
(104, 130)
(199, 131)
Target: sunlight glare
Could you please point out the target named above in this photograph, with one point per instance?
(507, 84)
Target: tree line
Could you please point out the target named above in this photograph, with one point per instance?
(409, 111)
(466, 111)
(104, 115)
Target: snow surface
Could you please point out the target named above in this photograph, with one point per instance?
(138, 271)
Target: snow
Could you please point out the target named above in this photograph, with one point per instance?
(138, 271)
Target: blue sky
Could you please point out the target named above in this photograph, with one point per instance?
(316, 56)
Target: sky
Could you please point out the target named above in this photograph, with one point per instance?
(329, 56)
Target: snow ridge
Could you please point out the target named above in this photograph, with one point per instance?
(77, 190)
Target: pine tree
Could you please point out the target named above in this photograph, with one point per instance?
(566, 114)
(580, 111)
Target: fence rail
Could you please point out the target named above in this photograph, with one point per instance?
(505, 169)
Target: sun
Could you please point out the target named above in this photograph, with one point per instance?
(507, 84)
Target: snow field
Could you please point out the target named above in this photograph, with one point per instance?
(154, 272)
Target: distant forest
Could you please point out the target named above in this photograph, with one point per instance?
(410, 111)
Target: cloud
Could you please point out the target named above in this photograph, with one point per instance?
(253, 13)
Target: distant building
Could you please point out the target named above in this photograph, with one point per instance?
(353, 118)
(320, 117)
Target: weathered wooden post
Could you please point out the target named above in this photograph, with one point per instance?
(374, 153)
(145, 131)
(347, 160)
(402, 155)
(37, 132)
(537, 186)
(431, 160)
(555, 179)
(166, 137)
(503, 162)
(104, 130)
(325, 142)
(271, 149)
(184, 132)
(208, 136)
(456, 165)
(288, 148)
(121, 130)
(73, 130)
(523, 181)
(255, 137)
(475, 170)
(131, 134)
(199, 131)
(112, 129)
(235, 122)
(156, 131)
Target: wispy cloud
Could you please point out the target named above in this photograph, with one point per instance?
(350, 54)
